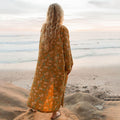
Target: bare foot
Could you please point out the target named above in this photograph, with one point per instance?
(32, 110)
(55, 114)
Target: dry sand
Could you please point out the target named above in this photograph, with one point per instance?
(93, 77)
(13, 103)
(78, 106)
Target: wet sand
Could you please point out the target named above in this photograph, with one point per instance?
(88, 75)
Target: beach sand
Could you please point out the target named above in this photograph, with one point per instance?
(97, 76)
(88, 74)
(78, 106)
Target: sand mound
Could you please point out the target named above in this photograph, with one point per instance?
(85, 106)
(13, 106)
(12, 101)
(79, 105)
(28, 115)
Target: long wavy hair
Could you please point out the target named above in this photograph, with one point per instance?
(51, 28)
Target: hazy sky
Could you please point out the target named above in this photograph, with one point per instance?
(28, 15)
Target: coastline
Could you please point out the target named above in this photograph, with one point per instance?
(92, 61)
(101, 72)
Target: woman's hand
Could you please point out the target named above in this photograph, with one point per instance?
(68, 72)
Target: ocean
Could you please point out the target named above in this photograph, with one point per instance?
(18, 48)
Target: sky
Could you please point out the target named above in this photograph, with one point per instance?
(29, 15)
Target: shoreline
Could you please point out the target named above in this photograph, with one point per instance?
(87, 75)
(83, 79)
(93, 61)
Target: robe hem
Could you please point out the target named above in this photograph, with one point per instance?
(41, 110)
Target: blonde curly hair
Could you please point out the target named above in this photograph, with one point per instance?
(51, 28)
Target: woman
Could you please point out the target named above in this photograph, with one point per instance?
(53, 66)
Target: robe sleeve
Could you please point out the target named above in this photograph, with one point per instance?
(67, 51)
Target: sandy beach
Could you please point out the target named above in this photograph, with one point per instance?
(95, 76)
(93, 87)
(88, 75)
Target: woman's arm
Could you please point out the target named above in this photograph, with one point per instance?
(67, 51)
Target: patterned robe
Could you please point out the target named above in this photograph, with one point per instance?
(50, 78)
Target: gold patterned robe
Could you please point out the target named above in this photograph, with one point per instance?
(50, 78)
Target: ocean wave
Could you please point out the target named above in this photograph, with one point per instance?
(86, 48)
(20, 42)
(36, 49)
(18, 61)
(26, 50)
(74, 57)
